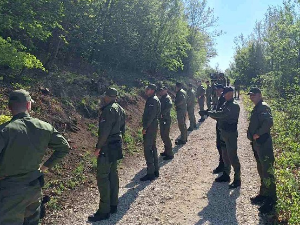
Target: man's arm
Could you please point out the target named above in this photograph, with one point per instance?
(2, 143)
(219, 114)
(168, 107)
(123, 126)
(267, 121)
(105, 126)
(60, 146)
(151, 114)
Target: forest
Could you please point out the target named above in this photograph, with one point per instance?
(128, 35)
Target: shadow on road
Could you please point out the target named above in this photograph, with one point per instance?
(221, 208)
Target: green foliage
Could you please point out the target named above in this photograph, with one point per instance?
(132, 35)
(13, 55)
(4, 119)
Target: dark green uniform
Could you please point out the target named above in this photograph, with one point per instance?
(237, 88)
(23, 143)
(111, 129)
(191, 107)
(181, 108)
(150, 124)
(165, 123)
(201, 98)
(261, 122)
(227, 121)
(208, 94)
(222, 80)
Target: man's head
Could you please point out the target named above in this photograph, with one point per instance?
(207, 82)
(190, 86)
(179, 86)
(110, 95)
(199, 82)
(163, 91)
(19, 102)
(219, 89)
(228, 93)
(255, 95)
(150, 90)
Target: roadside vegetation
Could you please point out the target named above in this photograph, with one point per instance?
(270, 59)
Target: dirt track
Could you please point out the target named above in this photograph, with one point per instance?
(185, 192)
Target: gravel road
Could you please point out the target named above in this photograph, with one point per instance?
(185, 192)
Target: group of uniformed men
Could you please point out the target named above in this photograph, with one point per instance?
(24, 140)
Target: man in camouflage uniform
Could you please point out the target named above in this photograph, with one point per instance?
(222, 79)
(219, 141)
(208, 94)
(237, 88)
(201, 98)
(227, 120)
(261, 121)
(23, 143)
(181, 109)
(165, 123)
(108, 151)
(150, 127)
(191, 96)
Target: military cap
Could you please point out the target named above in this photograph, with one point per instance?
(111, 92)
(179, 84)
(219, 86)
(227, 89)
(152, 87)
(254, 90)
(163, 88)
(20, 96)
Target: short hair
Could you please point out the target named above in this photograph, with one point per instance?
(18, 106)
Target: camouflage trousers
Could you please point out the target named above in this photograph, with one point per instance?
(165, 126)
(181, 117)
(20, 204)
(150, 150)
(229, 153)
(108, 184)
(264, 157)
(192, 118)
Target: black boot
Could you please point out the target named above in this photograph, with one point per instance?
(180, 142)
(156, 173)
(219, 169)
(148, 177)
(268, 206)
(201, 120)
(235, 184)
(98, 217)
(258, 200)
(224, 178)
(113, 209)
(190, 129)
(168, 157)
(163, 154)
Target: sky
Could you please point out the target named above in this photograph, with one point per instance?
(235, 17)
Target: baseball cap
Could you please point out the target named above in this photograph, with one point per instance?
(111, 92)
(227, 89)
(20, 96)
(254, 90)
(152, 87)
